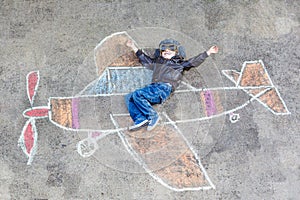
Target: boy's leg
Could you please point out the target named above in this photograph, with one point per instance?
(139, 104)
(154, 93)
(135, 114)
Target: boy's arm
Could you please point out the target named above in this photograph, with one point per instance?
(131, 44)
(197, 60)
(144, 59)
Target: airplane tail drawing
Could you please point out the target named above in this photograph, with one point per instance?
(255, 80)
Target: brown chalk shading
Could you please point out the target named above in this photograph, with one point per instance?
(254, 74)
(273, 101)
(61, 110)
(111, 49)
(129, 60)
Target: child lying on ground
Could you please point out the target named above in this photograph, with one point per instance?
(167, 67)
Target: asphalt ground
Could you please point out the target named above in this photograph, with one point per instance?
(255, 158)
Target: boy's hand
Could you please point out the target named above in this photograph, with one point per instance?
(213, 49)
(131, 44)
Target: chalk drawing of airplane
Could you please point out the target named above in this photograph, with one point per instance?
(164, 153)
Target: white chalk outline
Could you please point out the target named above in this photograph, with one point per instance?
(21, 141)
(230, 77)
(234, 120)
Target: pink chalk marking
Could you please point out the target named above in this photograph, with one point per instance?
(75, 113)
(210, 104)
(95, 134)
(37, 112)
(29, 138)
(32, 83)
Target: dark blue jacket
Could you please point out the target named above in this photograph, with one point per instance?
(169, 70)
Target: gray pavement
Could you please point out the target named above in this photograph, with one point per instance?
(255, 158)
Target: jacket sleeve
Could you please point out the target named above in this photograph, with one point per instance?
(195, 61)
(144, 59)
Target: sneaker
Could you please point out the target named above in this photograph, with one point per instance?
(153, 122)
(139, 125)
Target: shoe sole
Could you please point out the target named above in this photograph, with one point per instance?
(138, 126)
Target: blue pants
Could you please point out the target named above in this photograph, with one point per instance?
(139, 102)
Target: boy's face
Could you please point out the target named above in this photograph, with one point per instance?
(168, 50)
(168, 54)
